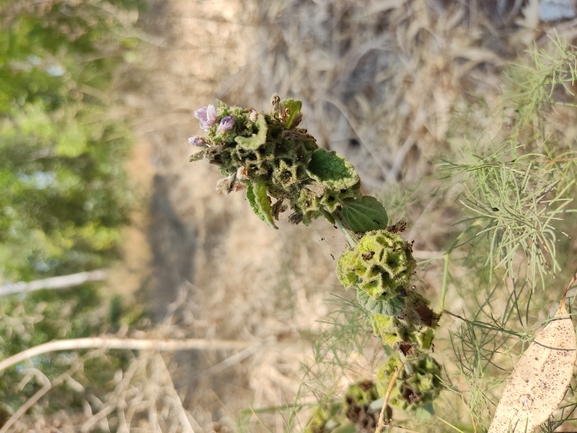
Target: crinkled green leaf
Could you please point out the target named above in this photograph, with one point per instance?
(196, 156)
(364, 215)
(257, 139)
(256, 194)
(293, 108)
(392, 306)
(332, 170)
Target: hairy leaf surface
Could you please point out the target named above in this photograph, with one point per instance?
(332, 170)
(364, 215)
(257, 139)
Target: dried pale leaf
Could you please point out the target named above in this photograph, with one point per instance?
(540, 379)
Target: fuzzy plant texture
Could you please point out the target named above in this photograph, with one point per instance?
(281, 167)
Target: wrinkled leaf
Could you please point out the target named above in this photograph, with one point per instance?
(389, 307)
(292, 108)
(257, 139)
(541, 377)
(260, 202)
(364, 215)
(332, 170)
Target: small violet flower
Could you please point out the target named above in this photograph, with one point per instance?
(206, 115)
(226, 124)
(197, 141)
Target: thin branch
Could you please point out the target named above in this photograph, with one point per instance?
(180, 411)
(126, 344)
(62, 282)
(235, 359)
(382, 422)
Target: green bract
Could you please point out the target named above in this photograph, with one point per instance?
(357, 412)
(417, 385)
(255, 140)
(381, 265)
(409, 336)
(391, 330)
(291, 111)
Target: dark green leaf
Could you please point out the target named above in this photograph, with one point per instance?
(256, 194)
(364, 215)
(332, 170)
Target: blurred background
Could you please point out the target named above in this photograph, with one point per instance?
(96, 104)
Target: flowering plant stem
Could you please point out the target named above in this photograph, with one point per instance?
(281, 167)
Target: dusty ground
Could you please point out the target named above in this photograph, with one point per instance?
(378, 82)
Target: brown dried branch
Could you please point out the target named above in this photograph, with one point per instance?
(382, 422)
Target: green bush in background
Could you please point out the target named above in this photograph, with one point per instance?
(64, 194)
(64, 190)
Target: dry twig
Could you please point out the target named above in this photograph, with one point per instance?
(381, 425)
(125, 343)
(62, 282)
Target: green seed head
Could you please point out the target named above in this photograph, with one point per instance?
(381, 266)
(416, 387)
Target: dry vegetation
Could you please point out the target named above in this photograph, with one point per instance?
(380, 82)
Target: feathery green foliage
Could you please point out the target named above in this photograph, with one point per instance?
(519, 181)
(518, 188)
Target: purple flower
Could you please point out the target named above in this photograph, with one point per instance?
(197, 141)
(206, 115)
(226, 123)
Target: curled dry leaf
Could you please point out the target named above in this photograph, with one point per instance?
(540, 379)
